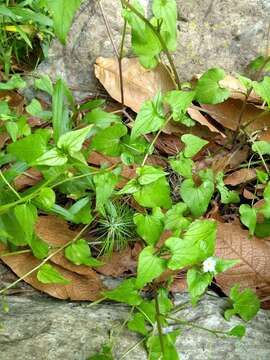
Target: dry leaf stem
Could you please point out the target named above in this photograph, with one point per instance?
(160, 38)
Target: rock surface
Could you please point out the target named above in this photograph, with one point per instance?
(211, 33)
(38, 328)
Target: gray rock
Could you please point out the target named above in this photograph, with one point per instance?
(37, 328)
(211, 33)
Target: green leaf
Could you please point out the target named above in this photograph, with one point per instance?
(35, 109)
(182, 165)
(208, 90)
(126, 292)
(198, 198)
(12, 229)
(79, 254)
(39, 247)
(149, 119)
(31, 147)
(261, 147)
(197, 245)
(130, 188)
(53, 157)
(156, 194)
(108, 141)
(166, 12)
(150, 267)
(101, 118)
(174, 218)
(179, 101)
(165, 304)
(149, 174)
(154, 346)
(193, 144)
(262, 230)
(262, 176)
(248, 217)
(60, 120)
(137, 324)
(105, 183)
(81, 211)
(46, 198)
(62, 12)
(15, 82)
(26, 215)
(227, 196)
(263, 89)
(47, 274)
(245, 304)
(144, 41)
(44, 83)
(198, 282)
(224, 264)
(71, 142)
(246, 82)
(12, 129)
(238, 331)
(149, 227)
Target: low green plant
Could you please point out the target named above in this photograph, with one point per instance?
(27, 27)
(91, 193)
(115, 228)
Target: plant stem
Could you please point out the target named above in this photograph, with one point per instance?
(132, 348)
(45, 260)
(8, 184)
(159, 327)
(15, 253)
(195, 326)
(160, 38)
(155, 139)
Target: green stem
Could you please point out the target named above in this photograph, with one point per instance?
(155, 139)
(159, 327)
(160, 38)
(15, 253)
(196, 326)
(9, 186)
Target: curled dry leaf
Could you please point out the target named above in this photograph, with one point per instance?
(85, 282)
(240, 176)
(228, 112)
(139, 84)
(197, 116)
(3, 139)
(168, 144)
(253, 270)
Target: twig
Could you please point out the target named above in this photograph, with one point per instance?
(119, 55)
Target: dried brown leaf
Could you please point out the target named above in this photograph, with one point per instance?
(197, 116)
(139, 84)
(121, 262)
(240, 176)
(237, 90)
(29, 178)
(85, 282)
(227, 114)
(253, 270)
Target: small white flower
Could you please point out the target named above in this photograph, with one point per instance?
(209, 265)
